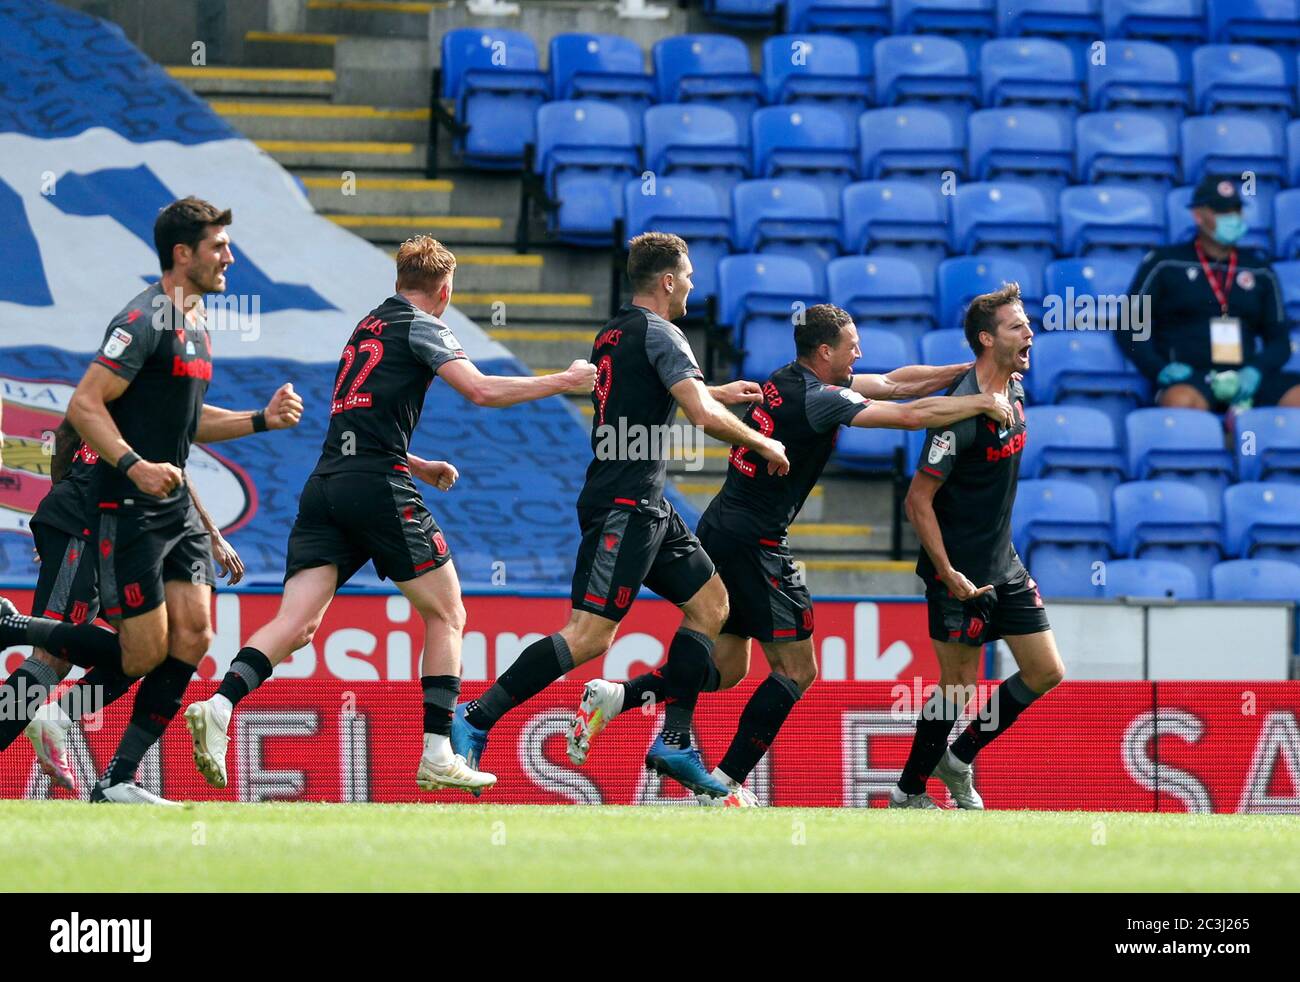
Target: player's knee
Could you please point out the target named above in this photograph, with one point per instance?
(731, 674)
(190, 644)
(1049, 678)
(141, 659)
(450, 616)
(306, 632)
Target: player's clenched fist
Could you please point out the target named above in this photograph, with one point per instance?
(285, 408)
(962, 588)
(999, 409)
(581, 375)
(773, 451)
(159, 480)
(738, 393)
(441, 474)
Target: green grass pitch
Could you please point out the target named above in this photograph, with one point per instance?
(291, 847)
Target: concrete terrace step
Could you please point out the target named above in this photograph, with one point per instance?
(341, 155)
(499, 305)
(275, 120)
(388, 18)
(332, 192)
(225, 80)
(273, 49)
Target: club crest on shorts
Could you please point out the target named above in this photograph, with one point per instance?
(80, 611)
(975, 626)
(623, 597)
(133, 595)
(439, 543)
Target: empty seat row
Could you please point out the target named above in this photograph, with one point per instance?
(1171, 579)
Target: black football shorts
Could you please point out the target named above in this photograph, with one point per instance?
(67, 586)
(768, 599)
(1014, 607)
(142, 546)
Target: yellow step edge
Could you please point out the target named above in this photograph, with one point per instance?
(500, 259)
(828, 528)
(861, 565)
(335, 146)
(536, 333)
(531, 299)
(289, 37)
(380, 6)
(253, 74)
(416, 221)
(312, 110)
(383, 184)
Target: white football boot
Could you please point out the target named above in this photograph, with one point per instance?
(739, 797)
(448, 775)
(127, 793)
(898, 799)
(207, 722)
(601, 702)
(48, 733)
(959, 779)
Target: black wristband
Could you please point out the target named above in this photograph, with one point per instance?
(259, 421)
(127, 461)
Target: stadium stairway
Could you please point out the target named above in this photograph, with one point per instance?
(343, 105)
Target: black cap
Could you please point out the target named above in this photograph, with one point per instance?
(1218, 193)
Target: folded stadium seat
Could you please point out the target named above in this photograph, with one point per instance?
(1231, 143)
(1180, 24)
(784, 217)
(1140, 76)
(1032, 146)
(759, 294)
(1150, 578)
(1125, 148)
(710, 68)
(967, 19)
(605, 67)
(1286, 224)
(882, 351)
(495, 79)
(1110, 221)
(1255, 579)
(1060, 531)
(818, 69)
(585, 153)
(1074, 443)
(1086, 294)
(1075, 23)
(962, 278)
(1268, 444)
(1271, 22)
(1031, 72)
(1244, 78)
(691, 208)
(946, 346)
(885, 293)
(1257, 209)
(910, 141)
(1293, 153)
(872, 450)
(807, 143)
(1262, 520)
(924, 69)
(1085, 368)
(696, 140)
(906, 219)
(1183, 443)
(1288, 274)
(1005, 218)
(747, 14)
(1169, 520)
(867, 18)
(913, 447)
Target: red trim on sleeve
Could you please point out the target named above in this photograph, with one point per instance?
(625, 501)
(111, 364)
(768, 542)
(932, 471)
(402, 468)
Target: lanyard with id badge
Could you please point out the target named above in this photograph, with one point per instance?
(1225, 332)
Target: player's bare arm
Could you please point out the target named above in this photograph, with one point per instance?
(919, 505)
(935, 411)
(738, 393)
(714, 418)
(223, 553)
(498, 391)
(282, 412)
(88, 413)
(441, 474)
(909, 382)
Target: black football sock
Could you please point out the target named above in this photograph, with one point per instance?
(1008, 701)
(762, 718)
(685, 672)
(537, 666)
(156, 702)
(21, 694)
(81, 644)
(937, 718)
(249, 670)
(440, 692)
(712, 677)
(109, 686)
(635, 690)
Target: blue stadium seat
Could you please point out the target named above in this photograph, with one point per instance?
(809, 143)
(895, 218)
(1268, 445)
(696, 140)
(1255, 579)
(1187, 443)
(1085, 368)
(1286, 224)
(1288, 274)
(712, 68)
(971, 18)
(1256, 209)
(1030, 72)
(746, 14)
(1254, 21)
(1125, 147)
(1079, 283)
(1022, 144)
(910, 141)
(785, 217)
(688, 207)
(761, 293)
(919, 68)
(585, 153)
(1109, 221)
(1074, 443)
(1293, 363)
(1140, 75)
(1074, 22)
(1005, 218)
(1160, 20)
(1169, 520)
(605, 67)
(884, 292)
(862, 17)
(1150, 578)
(1060, 531)
(1231, 144)
(1293, 153)
(494, 78)
(946, 346)
(870, 449)
(962, 278)
(1240, 78)
(882, 351)
(821, 69)
(1262, 520)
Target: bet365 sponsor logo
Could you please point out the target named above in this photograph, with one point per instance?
(76, 935)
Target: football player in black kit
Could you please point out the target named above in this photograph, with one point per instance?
(976, 588)
(745, 530)
(140, 408)
(630, 534)
(361, 504)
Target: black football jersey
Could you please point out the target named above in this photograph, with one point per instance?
(805, 414)
(387, 366)
(68, 504)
